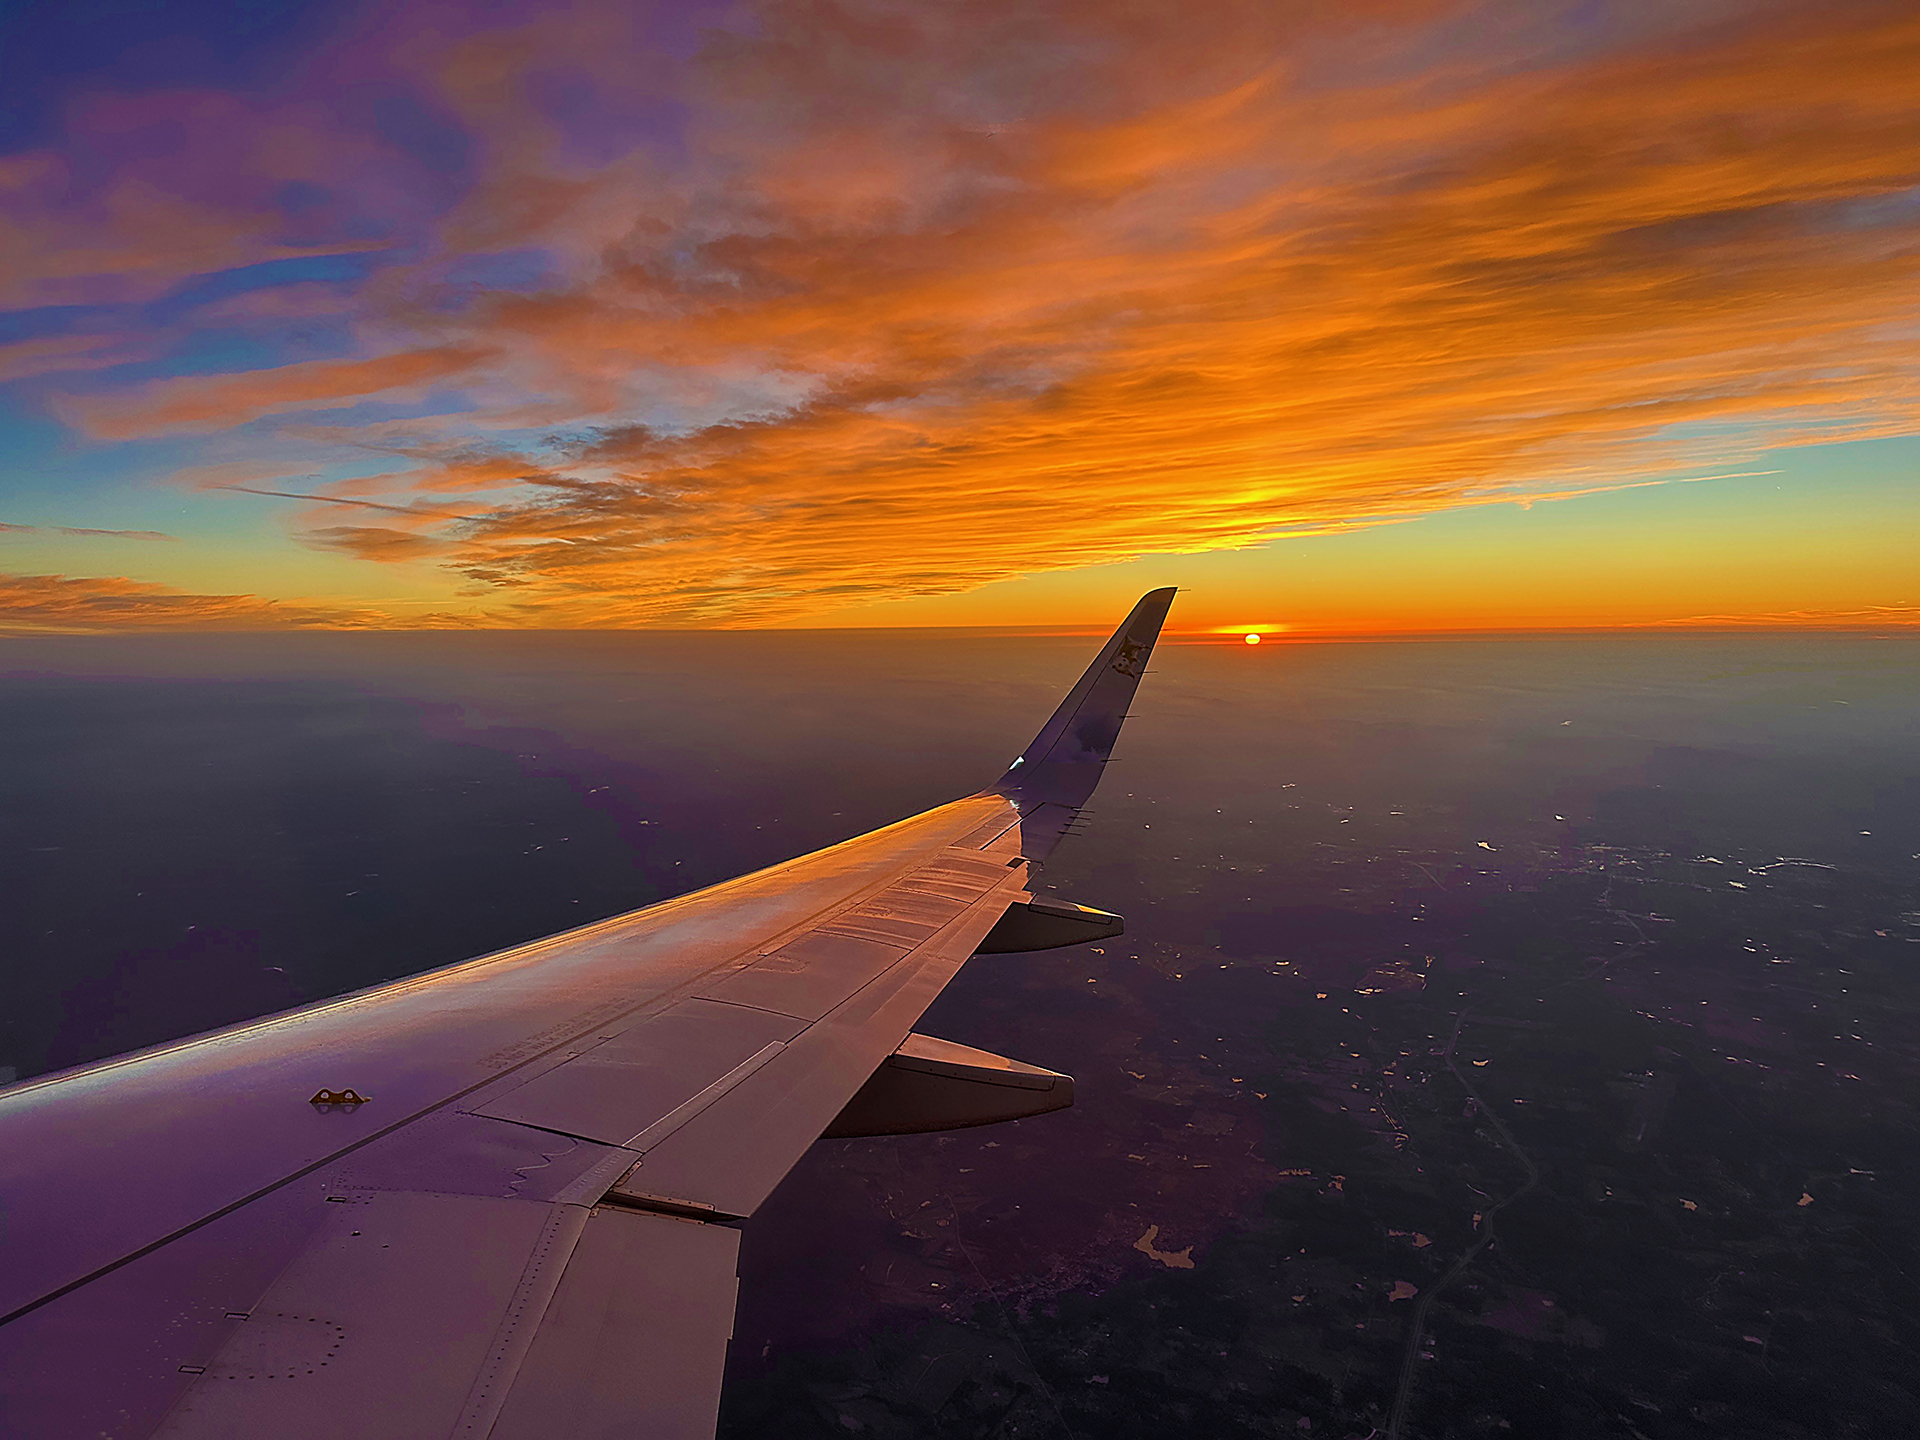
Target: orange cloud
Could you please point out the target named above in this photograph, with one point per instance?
(1264, 310)
(220, 402)
(374, 542)
(959, 295)
(1870, 617)
(57, 353)
(64, 602)
(75, 603)
(133, 240)
(82, 530)
(158, 186)
(114, 534)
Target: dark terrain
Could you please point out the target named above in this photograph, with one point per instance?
(1603, 950)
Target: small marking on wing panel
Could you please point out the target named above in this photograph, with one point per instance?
(513, 1054)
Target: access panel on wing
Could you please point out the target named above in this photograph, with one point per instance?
(809, 976)
(626, 1085)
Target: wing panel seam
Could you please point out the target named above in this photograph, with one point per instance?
(687, 1109)
(539, 1281)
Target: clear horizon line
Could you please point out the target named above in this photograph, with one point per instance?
(1217, 635)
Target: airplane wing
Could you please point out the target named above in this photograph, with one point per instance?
(502, 1199)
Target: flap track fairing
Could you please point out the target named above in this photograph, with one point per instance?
(1035, 924)
(930, 1084)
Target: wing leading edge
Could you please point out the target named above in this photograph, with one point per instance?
(529, 1227)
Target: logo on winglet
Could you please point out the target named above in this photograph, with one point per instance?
(1131, 658)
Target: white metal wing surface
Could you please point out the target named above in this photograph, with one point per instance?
(501, 1199)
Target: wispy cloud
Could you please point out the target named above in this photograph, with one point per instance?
(220, 402)
(84, 531)
(64, 354)
(1869, 617)
(879, 304)
(71, 603)
(375, 542)
(114, 534)
(419, 510)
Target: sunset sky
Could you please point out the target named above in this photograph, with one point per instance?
(1347, 318)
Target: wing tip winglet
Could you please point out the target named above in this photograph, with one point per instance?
(1063, 764)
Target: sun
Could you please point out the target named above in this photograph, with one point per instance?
(1257, 632)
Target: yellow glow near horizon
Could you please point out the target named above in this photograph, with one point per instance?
(1253, 639)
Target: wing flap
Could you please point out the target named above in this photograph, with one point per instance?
(635, 1340)
(396, 1321)
(731, 1156)
(382, 1274)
